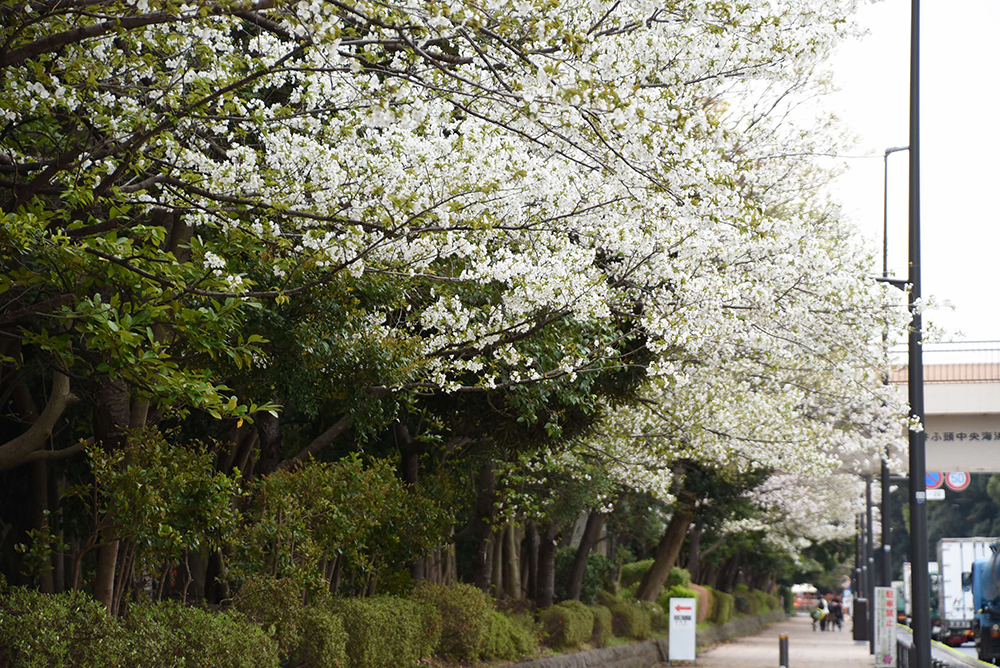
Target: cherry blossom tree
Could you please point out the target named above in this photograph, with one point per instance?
(509, 200)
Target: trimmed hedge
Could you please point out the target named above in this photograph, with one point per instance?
(602, 625)
(171, 635)
(73, 630)
(506, 639)
(306, 635)
(724, 604)
(68, 629)
(568, 624)
(465, 617)
(324, 640)
(704, 602)
(632, 573)
(628, 618)
(658, 618)
(275, 604)
(678, 577)
(385, 632)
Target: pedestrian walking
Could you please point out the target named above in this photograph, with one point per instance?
(836, 614)
(820, 613)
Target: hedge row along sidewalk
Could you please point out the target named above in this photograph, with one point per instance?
(652, 652)
(269, 625)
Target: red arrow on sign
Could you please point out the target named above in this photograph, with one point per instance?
(678, 607)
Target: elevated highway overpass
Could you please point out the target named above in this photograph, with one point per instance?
(962, 405)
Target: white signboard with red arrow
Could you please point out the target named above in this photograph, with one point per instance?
(683, 627)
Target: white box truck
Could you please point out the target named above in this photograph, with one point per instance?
(955, 604)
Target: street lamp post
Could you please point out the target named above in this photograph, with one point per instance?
(915, 368)
(886, 573)
(870, 563)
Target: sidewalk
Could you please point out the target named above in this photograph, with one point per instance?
(806, 648)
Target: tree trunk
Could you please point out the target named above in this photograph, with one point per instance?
(694, 557)
(481, 525)
(512, 562)
(595, 523)
(111, 418)
(409, 471)
(547, 566)
(532, 561)
(666, 554)
(497, 570)
(269, 433)
(104, 579)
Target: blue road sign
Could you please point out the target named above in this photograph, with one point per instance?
(934, 480)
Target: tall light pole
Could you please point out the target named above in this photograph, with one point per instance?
(915, 368)
(886, 573)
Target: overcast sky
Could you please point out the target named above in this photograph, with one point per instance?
(960, 146)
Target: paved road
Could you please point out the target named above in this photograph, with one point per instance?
(806, 648)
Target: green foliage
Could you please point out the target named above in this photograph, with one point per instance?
(607, 599)
(324, 640)
(602, 625)
(724, 604)
(506, 639)
(632, 573)
(712, 604)
(628, 618)
(276, 606)
(772, 602)
(465, 617)
(385, 632)
(568, 624)
(785, 594)
(748, 602)
(599, 572)
(307, 635)
(363, 514)
(663, 601)
(678, 576)
(164, 498)
(658, 618)
(68, 629)
(172, 635)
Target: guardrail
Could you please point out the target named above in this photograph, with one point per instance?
(940, 657)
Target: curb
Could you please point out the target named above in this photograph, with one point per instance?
(650, 652)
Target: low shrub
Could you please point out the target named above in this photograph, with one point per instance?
(45, 630)
(724, 604)
(73, 630)
(772, 601)
(746, 603)
(632, 573)
(630, 620)
(628, 617)
(762, 604)
(384, 632)
(602, 625)
(788, 599)
(678, 577)
(275, 604)
(465, 617)
(599, 572)
(567, 624)
(506, 639)
(607, 599)
(658, 618)
(172, 635)
(324, 640)
(704, 602)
